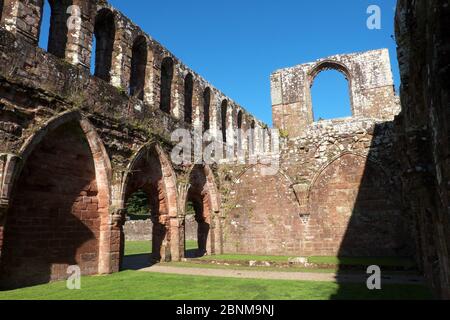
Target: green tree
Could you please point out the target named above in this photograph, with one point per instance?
(138, 204)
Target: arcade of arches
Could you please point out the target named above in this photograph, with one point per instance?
(76, 146)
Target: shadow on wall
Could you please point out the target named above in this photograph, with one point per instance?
(54, 221)
(377, 226)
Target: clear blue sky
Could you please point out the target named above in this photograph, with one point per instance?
(237, 44)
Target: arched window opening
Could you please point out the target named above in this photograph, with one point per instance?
(252, 137)
(188, 93)
(104, 34)
(1, 9)
(166, 84)
(239, 126)
(239, 119)
(206, 109)
(330, 96)
(53, 27)
(223, 118)
(138, 67)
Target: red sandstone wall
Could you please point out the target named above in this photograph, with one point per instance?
(53, 221)
(337, 193)
(264, 216)
(352, 211)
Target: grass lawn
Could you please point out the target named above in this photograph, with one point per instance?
(145, 247)
(191, 264)
(132, 285)
(382, 261)
(237, 267)
(246, 257)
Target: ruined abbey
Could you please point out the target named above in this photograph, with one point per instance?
(75, 146)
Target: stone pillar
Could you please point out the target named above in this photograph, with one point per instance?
(117, 240)
(80, 33)
(149, 79)
(177, 92)
(23, 18)
(176, 246)
(219, 221)
(182, 237)
(210, 242)
(161, 238)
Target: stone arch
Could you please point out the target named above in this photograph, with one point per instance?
(280, 172)
(151, 171)
(239, 124)
(1, 9)
(336, 158)
(204, 196)
(188, 97)
(62, 219)
(252, 138)
(139, 56)
(167, 73)
(207, 98)
(253, 226)
(352, 211)
(240, 119)
(224, 121)
(321, 67)
(58, 33)
(104, 33)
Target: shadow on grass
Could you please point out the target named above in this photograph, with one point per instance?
(138, 261)
(194, 253)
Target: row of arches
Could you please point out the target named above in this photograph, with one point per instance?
(65, 210)
(137, 71)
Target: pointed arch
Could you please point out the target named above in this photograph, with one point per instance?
(336, 158)
(324, 66)
(224, 119)
(167, 73)
(188, 96)
(104, 34)
(151, 171)
(58, 32)
(204, 197)
(1, 9)
(61, 187)
(352, 207)
(207, 109)
(139, 56)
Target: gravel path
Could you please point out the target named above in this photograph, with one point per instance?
(303, 276)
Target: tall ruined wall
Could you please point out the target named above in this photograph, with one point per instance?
(337, 191)
(119, 121)
(338, 187)
(371, 89)
(422, 33)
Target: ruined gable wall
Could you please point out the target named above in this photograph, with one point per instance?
(371, 89)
